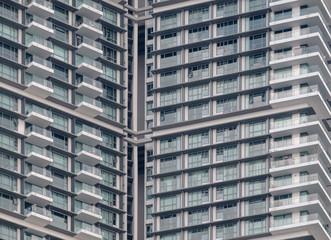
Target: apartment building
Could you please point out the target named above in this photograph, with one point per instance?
(165, 120)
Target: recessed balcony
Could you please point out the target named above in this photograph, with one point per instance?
(38, 66)
(87, 193)
(89, 28)
(313, 223)
(85, 231)
(38, 195)
(38, 116)
(38, 136)
(88, 135)
(89, 47)
(87, 213)
(39, 26)
(38, 215)
(40, 8)
(87, 174)
(37, 175)
(312, 95)
(37, 155)
(88, 86)
(87, 154)
(38, 86)
(38, 46)
(89, 9)
(88, 106)
(88, 67)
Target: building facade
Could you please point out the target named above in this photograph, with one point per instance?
(165, 120)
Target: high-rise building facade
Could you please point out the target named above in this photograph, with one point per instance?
(165, 120)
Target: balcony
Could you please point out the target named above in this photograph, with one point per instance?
(87, 232)
(87, 174)
(39, 26)
(38, 86)
(88, 67)
(89, 47)
(310, 203)
(38, 66)
(88, 106)
(38, 195)
(88, 135)
(38, 136)
(87, 213)
(89, 9)
(89, 87)
(41, 8)
(38, 46)
(37, 175)
(37, 155)
(89, 28)
(38, 215)
(311, 95)
(87, 193)
(313, 223)
(38, 116)
(88, 155)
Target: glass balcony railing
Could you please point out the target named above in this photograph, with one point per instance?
(295, 52)
(33, 168)
(293, 121)
(89, 42)
(83, 98)
(226, 50)
(295, 141)
(83, 147)
(227, 69)
(29, 78)
(88, 22)
(38, 60)
(297, 73)
(36, 189)
(89, 3)
(87, 168)
(28, 236)
(296, 13)
(89, 81)
(296, 33)
(39, 20)
(199, 55)
(39, 210)
(33, 108)
(84, 206)
(29, 148)
(33, 38)
(38, 130)
(61, 16)
(83, 186)
(40, 2)
(87, 227)
(7, 13)
(82, 59)
(82, 127)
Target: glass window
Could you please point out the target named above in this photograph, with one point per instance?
(169, 202)
(8, 141)
(108, 198)
(227, 105)
(170, 97)
(198, 140)
(60, 200)
(227, 134)
(256, 80)
(199, 216)
(198, 234)
(110, 35)
(255, 187)
(255, 206)
(198, 111)
(198, 159)
(8, 102)
(255, 226)
(61, 33)
(108, 217)
(8, 121)
(227, 153)
(109, 159)
(109, 15)
(198, 178)
(198, 197)
(227, 8)
(108, 235)
(227, 231)
(169, 164)
(170, 145)
(8, 32)
(227, 211)
(59, 220)
(60, 122)
(198, 92)
(8, 162)
(226, 192)
(9, 72)
(108, 179)
(60, 161)
(198, 15)
(170, 21)
(256, 129)
(109, 111)
(61, 53)
(256, 167)
(60, 92)
(227, 28)
(198, 34)
(227, 173)
(109, 73)
(8, 182)
(7, 232)
(256, 148)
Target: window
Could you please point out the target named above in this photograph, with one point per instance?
(227, 153)
(169, 59)
(61, 14)
(9, 12)
(170, 116)
(108, 235)
(149, 230)
(149, 51)
(60, 53)
(110, 54)
(7, 232)
(256, 41)
(149, 211)
(8, 102)
(284, 219)
(255, 206)
(8, 141)
(169, 202)
(60, 200)
(227, 86)
(227, 28)
(282, 14)
(109, 111)
(198, 140)
(199, 216)
(109, 73)
(227, 173)
(198, 159)
(256, 148)
(110, 35)
(198, 197)
(198, 111)
(255, 80)
(255, 187)
(60, 161)
(8, 121)
(60, 180)
(149, 33)
(170, 97)
(256, 129)
(198, 178)
(198, 72)
(170, 21)
(227, 66)
(227, 211)
(227, 231)
(149, 192)
(61, 33)
(227, 105)
(60, 92)
(169, 164)
(109, 92)
(109, 15)
(170, 221)
(171, 236)
(198, 15)
(60, 122)
(108, 140)
(226, 192)
(198, 34)
(8, 72)
(170, 145)
(256, 167)
(109, 159)
(8, 51)
(149, 89)
(8, 32)
(8, 202)
(149, 174)
(60, 73)
(256, 61)
(108, 217)
(256, 22)
(198, 234)
(227, 134)
(8, 162)
(60, 141)
(149, 71)
(255, 226)
(227, 8)
(281, 181)
(108, 198)
(170, 40)
(170, 78)
(8, 182)
(108, 179)
(149, 106)
(198, 92)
